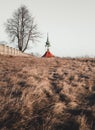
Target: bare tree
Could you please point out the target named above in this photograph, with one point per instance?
(21, 27)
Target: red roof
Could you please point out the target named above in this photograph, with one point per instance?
(48, 54)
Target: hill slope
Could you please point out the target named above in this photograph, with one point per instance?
(47, 94)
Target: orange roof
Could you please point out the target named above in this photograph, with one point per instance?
(48, 54)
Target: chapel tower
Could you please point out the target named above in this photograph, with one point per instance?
(48, 54)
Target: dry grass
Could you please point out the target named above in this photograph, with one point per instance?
(47, 94)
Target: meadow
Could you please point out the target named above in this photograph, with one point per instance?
(47, 93)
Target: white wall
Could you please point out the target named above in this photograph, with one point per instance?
(6, 50)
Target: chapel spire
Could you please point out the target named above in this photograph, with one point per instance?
(47, 42)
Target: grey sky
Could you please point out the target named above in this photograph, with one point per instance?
(70, 24)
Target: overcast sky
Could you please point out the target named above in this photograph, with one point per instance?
(70, 24)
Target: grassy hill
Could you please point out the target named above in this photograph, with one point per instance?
(47, 93)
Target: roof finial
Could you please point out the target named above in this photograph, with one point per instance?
(47, 42)
(47, 38)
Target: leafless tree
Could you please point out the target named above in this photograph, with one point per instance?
(22, 27)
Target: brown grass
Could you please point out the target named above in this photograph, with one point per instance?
(47, 94)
